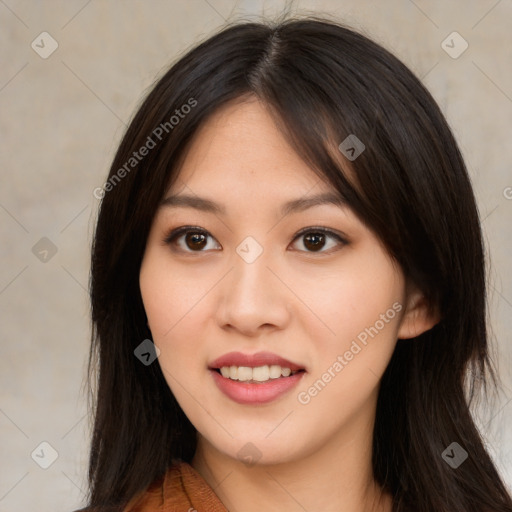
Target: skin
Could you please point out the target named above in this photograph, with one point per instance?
(304, 305)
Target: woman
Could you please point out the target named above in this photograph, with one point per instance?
(288, 288)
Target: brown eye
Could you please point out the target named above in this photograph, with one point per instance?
(314, 241)
(195, 241)
(189, 239)
(318, 240)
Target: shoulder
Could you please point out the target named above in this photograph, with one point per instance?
(149, 500)
(181, 489)
(152, 498)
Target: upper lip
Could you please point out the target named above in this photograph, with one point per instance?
(253, 360)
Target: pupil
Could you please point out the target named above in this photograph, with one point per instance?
(195, 240)
(314, 241)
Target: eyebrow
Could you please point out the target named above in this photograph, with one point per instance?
(293, 206)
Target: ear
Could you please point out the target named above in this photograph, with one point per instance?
(418, 317)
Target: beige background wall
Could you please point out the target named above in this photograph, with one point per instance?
(61, 118)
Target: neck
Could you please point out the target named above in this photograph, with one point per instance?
(338, 477)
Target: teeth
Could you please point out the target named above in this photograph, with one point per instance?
(261, 373)
(244, 373)
(258, 374)
(275, 371)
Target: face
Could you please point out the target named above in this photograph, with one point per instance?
(247, 278)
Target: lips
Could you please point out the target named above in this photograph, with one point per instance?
(253, 361)
(251, 392)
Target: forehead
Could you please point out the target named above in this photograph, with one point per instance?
(241, 144)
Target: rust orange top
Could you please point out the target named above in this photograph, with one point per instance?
(182, 489)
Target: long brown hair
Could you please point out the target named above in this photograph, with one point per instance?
(322, 82)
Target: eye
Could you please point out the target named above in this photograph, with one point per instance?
(190, 239)
(317, 239)
(195, 239)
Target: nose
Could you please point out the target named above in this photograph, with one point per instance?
(252, 299)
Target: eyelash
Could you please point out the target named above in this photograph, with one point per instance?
(171, 237)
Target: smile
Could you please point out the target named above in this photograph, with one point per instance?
(258, 374)
(255, 379)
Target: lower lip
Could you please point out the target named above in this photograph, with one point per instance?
(262, 393)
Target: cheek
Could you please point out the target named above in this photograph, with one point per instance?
(169, 296)
(175, 310)
(354, 298)
(362, 312)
